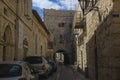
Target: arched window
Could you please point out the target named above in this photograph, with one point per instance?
(7, 45)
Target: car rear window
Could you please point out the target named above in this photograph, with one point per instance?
(33, 60)
(10, 70)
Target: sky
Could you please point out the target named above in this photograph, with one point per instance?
(39, 5)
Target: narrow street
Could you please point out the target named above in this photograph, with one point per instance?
(59, 40)
(64, 73)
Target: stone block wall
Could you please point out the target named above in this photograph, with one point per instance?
(17, 37)
(99, 42)
(53, 18)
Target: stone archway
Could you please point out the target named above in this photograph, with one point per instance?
(65, 56)
(7, 45)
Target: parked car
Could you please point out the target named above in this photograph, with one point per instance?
(17, 70)
(53, 65)
(40, 64)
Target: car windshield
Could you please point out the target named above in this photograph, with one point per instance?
(33, 60)
(10, 70)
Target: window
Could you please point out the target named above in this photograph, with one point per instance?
(41, 49)
(33, 60)
(36, 41)
(10, 70)
(70, 25)
(61, 39)
(50, 45)
(5, 11)
(115, 15)
(61, 24)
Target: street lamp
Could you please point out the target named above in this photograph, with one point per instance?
(87, 5)
(83, 4)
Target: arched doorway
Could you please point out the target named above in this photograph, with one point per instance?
(62, 55)
(7, 46)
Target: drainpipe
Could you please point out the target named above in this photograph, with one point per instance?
(96, 59)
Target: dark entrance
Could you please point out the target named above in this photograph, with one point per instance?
(66, 56)
(66, 59)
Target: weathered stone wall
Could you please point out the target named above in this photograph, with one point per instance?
(17, 30)
(41, 36)
(103, 50)
(103, 41)
(7, 24)
(52, 20)
(80, 40)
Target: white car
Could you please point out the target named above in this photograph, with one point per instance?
(17, 70)
(40, 64)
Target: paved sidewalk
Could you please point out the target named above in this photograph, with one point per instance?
(78, 75)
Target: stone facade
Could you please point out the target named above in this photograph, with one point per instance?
(102, 40)
(98, 40)
(59, 23)
(41, 36)
(17, 34)
(80, 40)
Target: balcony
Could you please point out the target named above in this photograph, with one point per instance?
(80, 25)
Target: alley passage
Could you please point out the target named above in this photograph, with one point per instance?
(65, 73)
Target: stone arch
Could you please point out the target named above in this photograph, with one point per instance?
(8, 44)
(65, 54)
(5, 25)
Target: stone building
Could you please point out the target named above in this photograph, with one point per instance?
(80, 39)
(14, 23)
(102, 39)
(99, 42)
(41, 37)
(59, 23)
(17, 34)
